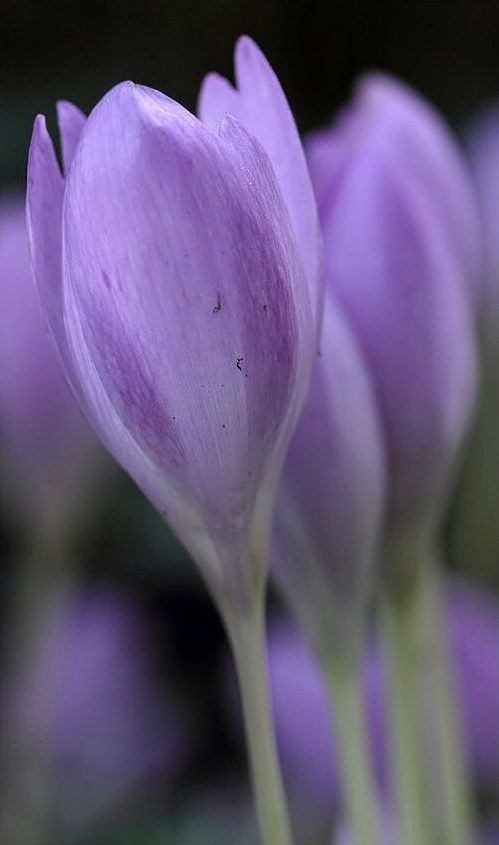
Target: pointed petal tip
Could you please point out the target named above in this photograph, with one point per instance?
(71, 121)
(245, 42)
(212, 83)
(41, 149)
(39, 129)
(247, 50)
(64, 107)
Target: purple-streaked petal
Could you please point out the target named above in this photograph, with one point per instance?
(332, 494)
(71, 122)
(260, 105)
(186, 309)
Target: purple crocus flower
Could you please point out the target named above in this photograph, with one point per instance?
(181, 286)
(306, 741)
(331, 500)
(48, 449)
(91, 707)
(400, 253)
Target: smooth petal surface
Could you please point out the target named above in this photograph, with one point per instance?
(402, 288)
(332, 494)
(419, 142)
(260, 105)
(186, 308)
(71, 122)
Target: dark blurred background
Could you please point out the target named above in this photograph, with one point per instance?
(77, 49)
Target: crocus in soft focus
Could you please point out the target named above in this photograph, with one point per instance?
(183, 300)
(48, 449)
(400, 252)
(93, 710)
(331, 500)
(309, 748)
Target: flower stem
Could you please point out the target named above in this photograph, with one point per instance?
(247, 637)
(399, 620)
(345, 688)
(428, 759)
(452, 812)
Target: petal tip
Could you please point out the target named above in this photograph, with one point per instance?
(71, 121)
(41, 148)
(247, 50)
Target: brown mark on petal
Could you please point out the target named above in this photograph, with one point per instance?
(223, 425)
(239, 363)
(218, 306)
(265, 307)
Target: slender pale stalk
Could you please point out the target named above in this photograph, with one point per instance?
(402, 645)
(346, 695)
(452, 812)
(246, 632)
(428, 760)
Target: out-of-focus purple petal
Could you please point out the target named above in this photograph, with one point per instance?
(71, 122)
(400, 281)
(47, 447)
(187, 312)
(260, 105)
(473, 619)
(482, 143)
(420, 143)
(305, 735)
(332, 495)
(91, 704)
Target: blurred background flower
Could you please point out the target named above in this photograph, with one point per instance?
(91, 706)
(50, 456)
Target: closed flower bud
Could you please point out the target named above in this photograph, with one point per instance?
(400, 253)
(332, 496)
(183, 308)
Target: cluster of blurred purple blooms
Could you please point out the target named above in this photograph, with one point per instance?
(241, 328)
